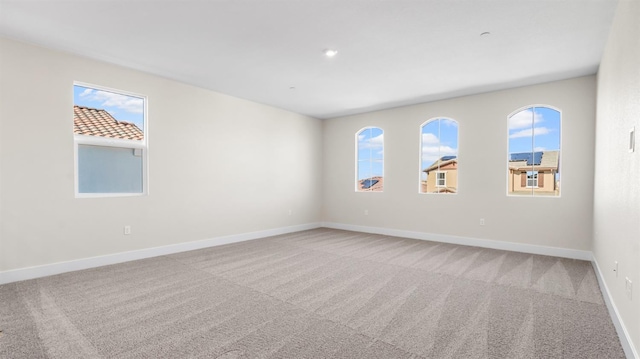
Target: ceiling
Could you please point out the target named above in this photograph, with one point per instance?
(390, 53)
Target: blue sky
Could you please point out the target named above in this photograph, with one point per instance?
(121, 107)
(370, 153)
(439, 138)
(534, 129)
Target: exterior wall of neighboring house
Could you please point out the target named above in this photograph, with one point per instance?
(451, 170)
(518, 182)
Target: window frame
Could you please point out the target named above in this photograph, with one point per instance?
(508, 153)
(443, 179)
(534, 178)
(420, 153)
(80, 140)
(357, 161)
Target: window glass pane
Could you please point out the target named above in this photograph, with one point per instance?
(439, 154)
(104, 169)
(534, 152)
(370, 159)
(107, 114)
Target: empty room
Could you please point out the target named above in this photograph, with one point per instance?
(320, 179)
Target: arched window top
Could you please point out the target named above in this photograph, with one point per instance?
(447, 121)
(532, 107)
(439, 156)
(533, 163)
(370, 159)
(375, 131)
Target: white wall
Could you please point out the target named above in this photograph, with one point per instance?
(617, 181)
(218, 165)
(554, 222)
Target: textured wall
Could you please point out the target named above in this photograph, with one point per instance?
(218, 165)
(617, 174)
(556, 222)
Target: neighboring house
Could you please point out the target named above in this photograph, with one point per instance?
(442, 176)
(373, 184)
(534, 171)
(95, 122)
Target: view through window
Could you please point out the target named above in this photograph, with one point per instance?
(370, 160)
(110, 142)
(439, 156)
(534, 152)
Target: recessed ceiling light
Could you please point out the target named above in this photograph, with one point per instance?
(330, 52)
(486, 33)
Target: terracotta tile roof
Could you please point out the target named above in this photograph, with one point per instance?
(95, 122)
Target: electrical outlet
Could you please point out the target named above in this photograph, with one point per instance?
(290, 212)
(127, 230)
(482, 221)
(366, 212)
(615, 268)
(628, 285)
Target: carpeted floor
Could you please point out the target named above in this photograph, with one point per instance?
(316, 294)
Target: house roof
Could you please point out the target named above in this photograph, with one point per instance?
(97, 122)
(441, 162)
(550, 160)
(375, 187)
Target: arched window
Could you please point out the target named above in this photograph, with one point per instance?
(370, 160)
(439, 156)
(533, 165)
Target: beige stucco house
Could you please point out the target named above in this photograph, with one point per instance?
(528, 176)
(442, 176)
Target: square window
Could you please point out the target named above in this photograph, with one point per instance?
(110, 142)
(441, 179)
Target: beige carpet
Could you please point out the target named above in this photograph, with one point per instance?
(315, 294)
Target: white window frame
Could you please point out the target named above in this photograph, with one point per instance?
(79, 140)
(357, 162)
(420, 168)
(444, 179)
(535, 175)
(509, 173)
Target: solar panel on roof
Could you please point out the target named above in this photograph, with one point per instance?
(537, 158)
(532, 158)
(520, 156)
(447, 158)
(368, 183)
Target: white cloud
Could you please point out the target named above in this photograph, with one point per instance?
(432, 153)
(110, 99)
(374, 143)
(429, 139)
(522, 119)
(537, 131)
(539, 149)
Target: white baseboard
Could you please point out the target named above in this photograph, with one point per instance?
(468, 241)
(625, 339)
(92, 262)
